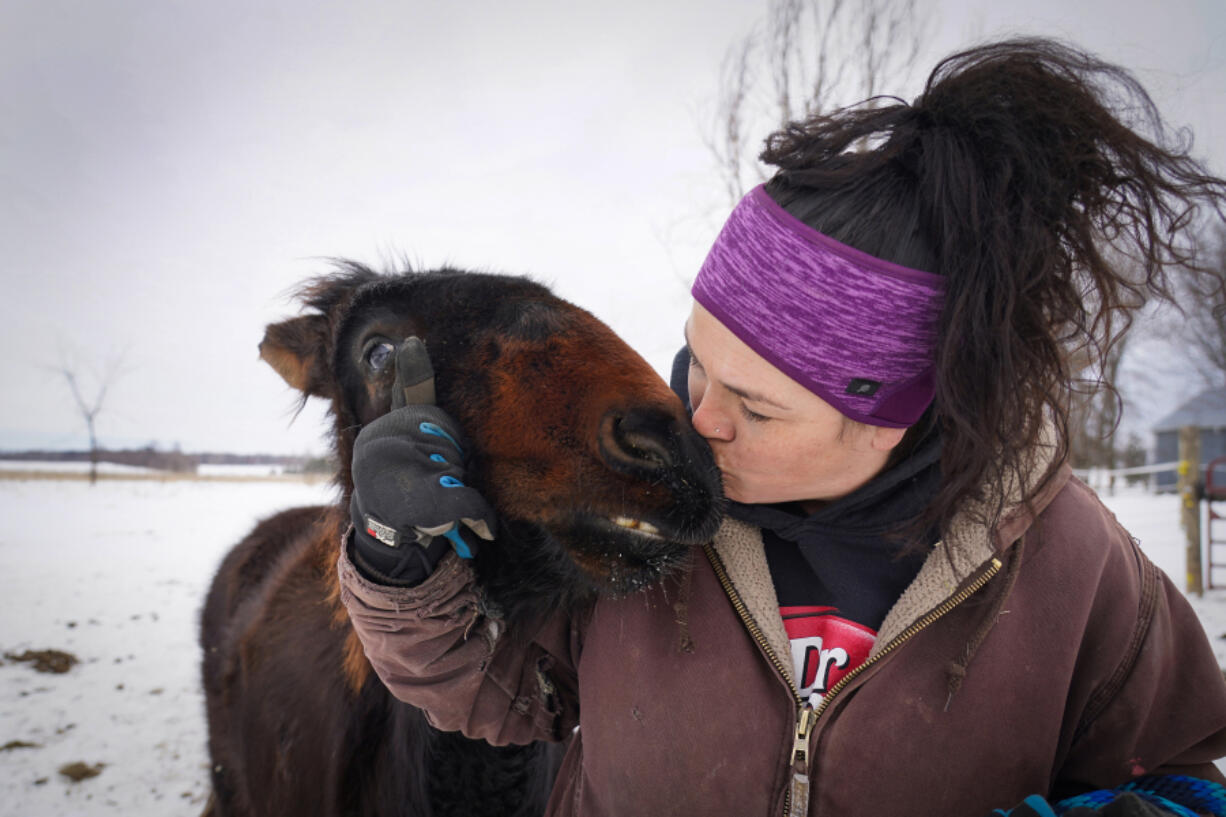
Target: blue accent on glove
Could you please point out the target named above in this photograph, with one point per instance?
(431, 428)
(409, 500)
(458, 544)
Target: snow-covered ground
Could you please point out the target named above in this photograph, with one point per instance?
(25, 466)
(1154, 521)
(204, 469)
(115, 574)
(220, 469)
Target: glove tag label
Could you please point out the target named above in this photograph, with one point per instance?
(383, 533)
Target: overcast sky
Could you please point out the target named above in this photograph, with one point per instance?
(170, 170)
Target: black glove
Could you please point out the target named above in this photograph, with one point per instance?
(409, 498)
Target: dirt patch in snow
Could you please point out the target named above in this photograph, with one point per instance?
(52, 661)
(18, 744)
(76, 772)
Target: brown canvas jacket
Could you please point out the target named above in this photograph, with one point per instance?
(1049, 657)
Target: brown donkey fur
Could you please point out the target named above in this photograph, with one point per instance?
(570, 430)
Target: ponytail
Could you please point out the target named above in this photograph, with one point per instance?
(1012, 174)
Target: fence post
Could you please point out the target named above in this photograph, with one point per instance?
(1189, 476)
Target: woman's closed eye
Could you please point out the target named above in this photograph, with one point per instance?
(752, 416)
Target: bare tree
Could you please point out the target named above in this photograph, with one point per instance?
(1199, 331)
(90, 409)
(818, 56)
(726, 139)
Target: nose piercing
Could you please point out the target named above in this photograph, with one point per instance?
(717, 429)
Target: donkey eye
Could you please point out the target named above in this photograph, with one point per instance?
(379, 355)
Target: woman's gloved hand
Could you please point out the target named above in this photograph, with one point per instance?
(410, 503)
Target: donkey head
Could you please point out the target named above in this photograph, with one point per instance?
(599, 480)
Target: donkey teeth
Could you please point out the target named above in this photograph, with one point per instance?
(636, 524)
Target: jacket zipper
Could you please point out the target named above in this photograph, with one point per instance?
(806, 714)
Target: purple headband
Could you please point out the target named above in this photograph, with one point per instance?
(857, 331)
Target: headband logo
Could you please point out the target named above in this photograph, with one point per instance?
(864, 388)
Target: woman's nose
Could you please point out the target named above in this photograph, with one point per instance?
(710, 422)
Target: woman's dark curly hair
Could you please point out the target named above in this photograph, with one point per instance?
(1021, 173)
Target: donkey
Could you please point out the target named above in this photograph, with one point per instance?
(600, 483)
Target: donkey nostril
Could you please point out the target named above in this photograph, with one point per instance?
(646, 437)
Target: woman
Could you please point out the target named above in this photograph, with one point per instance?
(913, 608)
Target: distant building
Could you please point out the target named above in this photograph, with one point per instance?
(1207, 412)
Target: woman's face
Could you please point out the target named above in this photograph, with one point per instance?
(774, 440)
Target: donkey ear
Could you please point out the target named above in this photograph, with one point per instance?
(297, 349)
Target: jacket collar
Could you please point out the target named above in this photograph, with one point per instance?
(739, 546)
(966, 548)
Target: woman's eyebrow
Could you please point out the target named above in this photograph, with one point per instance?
(754, 397)
(744, 394)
